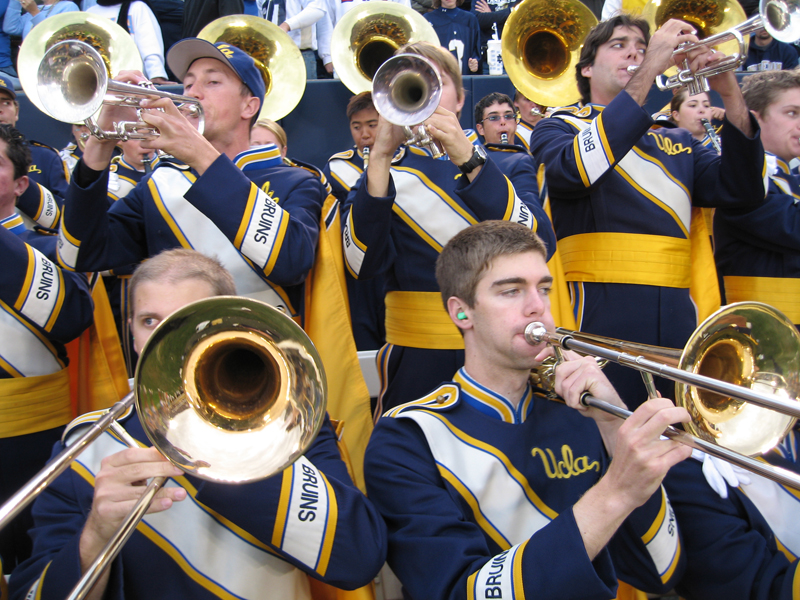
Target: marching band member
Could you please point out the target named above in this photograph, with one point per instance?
(200, 539)
(530, 114)
(400, 216)
(690, 112)
(42, 200)
(260, 217)
(489, 487)
(758, 249)
(622, 192)
(496, 121)
(42, 307)
(72, 152)
(343, 170)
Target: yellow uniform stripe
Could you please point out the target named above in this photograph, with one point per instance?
(656, 525)
(59, 302)
(248, 214)
(330, 530)
(283, 507)
(26, 286)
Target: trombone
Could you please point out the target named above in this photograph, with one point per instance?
(228, 389)
(748, 343)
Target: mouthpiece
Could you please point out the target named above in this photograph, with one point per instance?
(535, 333)
(503, 138)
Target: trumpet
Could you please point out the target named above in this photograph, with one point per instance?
(748, 343)
(779, 17)
(406, 90)
(228, 389)
(73, 85)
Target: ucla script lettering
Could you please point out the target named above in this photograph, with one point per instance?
(667, 146)
(568, 466)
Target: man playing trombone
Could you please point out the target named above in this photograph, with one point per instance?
(200, 539)
(636, 253)
(491, 487)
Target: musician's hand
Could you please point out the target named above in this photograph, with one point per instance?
(388, 138)
(444, 127)
(482, 6)
(97, 154)
(178, 135)
(119, 484)
(717, 113)
(641, 457)
(664, 42)
(725, 84)
(578, 375)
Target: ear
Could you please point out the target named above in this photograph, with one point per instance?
(587, 71)
(479, 129)
(454, 307)
(758, 117)
(251, 108)
(20, 185)
(460, 103)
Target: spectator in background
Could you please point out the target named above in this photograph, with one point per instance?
(15, 23)
(199, 13)
(491, 13)
(301, 19)
(138, 20)
(458, 31)
(770, 53)
(6, 66)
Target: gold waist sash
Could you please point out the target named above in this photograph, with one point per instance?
(33, 404)
(418, 320)
(782, 293)
(608, 257)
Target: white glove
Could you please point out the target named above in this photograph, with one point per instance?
(719, 472)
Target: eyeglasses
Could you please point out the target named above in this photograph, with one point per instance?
(509, 116)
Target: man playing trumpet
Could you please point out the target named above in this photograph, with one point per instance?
(636, 254)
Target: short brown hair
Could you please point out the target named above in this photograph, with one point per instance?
(444, 59)
(359, 102)
(181, 264)
(761, 90)
(470, 253)
(598, 36)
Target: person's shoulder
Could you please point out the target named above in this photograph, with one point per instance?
(79, 425)
(344, 155)
(42, 148)
(443, 399)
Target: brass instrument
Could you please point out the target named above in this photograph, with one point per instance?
(541, 44)
(369, 34)
(720, 23)
(73, 85)
(115, 45)
(405, 91)
(228, 389)
(737, 376)
(712, 135)
(276, 55)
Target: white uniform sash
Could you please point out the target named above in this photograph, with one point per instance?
(505, 506)
(213, 553)
(345, 172)
(643, 172)
(200, 232)
(779, 507)
(22, 349)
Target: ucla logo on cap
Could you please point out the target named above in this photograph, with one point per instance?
(226, 50)
(3, 83)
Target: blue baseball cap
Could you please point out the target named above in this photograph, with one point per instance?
(6, 85)
(182, 54)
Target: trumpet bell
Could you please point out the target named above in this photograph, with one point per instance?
(276, 56)
(406, 89)
(72, 76)
(116, 47)
(748, 344)
(369, 34)
(541, 44)
(781, 19)
(230, 389)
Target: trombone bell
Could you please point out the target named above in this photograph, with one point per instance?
(230, 390)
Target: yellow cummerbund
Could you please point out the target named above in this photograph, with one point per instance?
(418, 320)
(33, 404)
(778, 292)
(608, 257)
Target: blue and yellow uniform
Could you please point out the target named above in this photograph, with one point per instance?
(758, 249)
(477, 496)
(255, 540)
(516, 163)
(622, 196)
(71, 154)
(48, 176)
(367, 311)
(401, 236)
(258, 216)
(745, 546)
(42, 307)
(523, 135)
